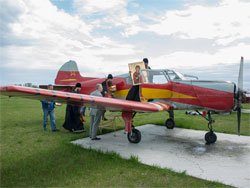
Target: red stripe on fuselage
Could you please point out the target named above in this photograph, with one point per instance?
(206, 97)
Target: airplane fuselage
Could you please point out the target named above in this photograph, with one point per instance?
(181, 94)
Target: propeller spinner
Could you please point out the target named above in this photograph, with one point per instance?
(240, 93)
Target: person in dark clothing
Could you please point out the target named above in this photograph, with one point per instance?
(106, 91)
(73, 122)
(133, 94)
(145, 60)
(105, 85)
(149, 75)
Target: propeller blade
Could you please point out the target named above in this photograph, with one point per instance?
(240, 93)
(239, 118)
(240, 78)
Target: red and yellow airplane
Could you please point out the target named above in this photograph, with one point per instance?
(166, 90)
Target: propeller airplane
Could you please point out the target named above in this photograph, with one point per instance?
(159, 90)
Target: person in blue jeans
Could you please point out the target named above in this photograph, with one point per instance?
(48, 109)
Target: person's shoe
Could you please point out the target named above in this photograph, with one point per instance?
(45, 129)
(105, 119)
(96, 138)
(55, 130)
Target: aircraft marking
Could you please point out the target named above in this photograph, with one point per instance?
(68, 96)
(155, 93)
(38, 92)
(166, 107)
(157, 106)
(152, 93)
(93, 100)
(81, 97)
(69, 80)
(121, 93)
(54, 94)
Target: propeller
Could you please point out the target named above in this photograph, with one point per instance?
(240, 93)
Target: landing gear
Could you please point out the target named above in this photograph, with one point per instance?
(134, 136)
(170, 124)
(210, 136)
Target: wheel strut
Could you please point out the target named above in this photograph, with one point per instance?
(210, 136)
(170, 123)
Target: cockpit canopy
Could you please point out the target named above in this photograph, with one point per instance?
(157, 76)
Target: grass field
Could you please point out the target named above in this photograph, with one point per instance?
(246, 106)
(31, 157)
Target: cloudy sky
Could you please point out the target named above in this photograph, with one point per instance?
(205, 38)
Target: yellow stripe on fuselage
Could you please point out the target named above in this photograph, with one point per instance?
(151, 93)
(68, 80)
(121, 93)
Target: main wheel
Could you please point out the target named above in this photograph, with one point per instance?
(134, 136)
(170, 124)
(210, 137)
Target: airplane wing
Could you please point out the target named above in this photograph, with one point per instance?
(86, 100)
(66, 88)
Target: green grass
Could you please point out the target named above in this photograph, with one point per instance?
(31, 157)
(246, 106)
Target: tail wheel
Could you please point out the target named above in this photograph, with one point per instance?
(134, 136)
(170, 124)
(210, 137)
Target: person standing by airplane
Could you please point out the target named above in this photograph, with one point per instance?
(145, 60)
(73, 122)
(95, 114)
(106, 84)
(48, 109)
(149, 76)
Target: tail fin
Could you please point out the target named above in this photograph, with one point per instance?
(69, 74)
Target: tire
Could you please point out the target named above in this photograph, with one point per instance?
(134, 136)
(170, 124)
(210, 137)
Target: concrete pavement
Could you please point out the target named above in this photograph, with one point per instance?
(227, 161)
(245, 111)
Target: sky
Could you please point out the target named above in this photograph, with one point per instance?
(205, 38)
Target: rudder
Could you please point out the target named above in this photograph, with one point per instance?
(68, 74)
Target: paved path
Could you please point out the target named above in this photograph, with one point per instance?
(226, 161)
(245, 111)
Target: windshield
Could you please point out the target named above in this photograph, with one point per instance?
(181, 76)
(173, 76)
(153, 76)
